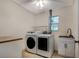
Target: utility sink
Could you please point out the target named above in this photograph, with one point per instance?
(71, 36)
(64, 36)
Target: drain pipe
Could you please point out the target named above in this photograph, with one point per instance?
(50, 15)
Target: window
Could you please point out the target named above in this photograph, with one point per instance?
(54, 23)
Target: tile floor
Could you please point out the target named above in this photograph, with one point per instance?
(26, 54)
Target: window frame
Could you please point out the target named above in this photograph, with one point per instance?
(55, 23)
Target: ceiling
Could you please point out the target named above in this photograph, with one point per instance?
(52, 4)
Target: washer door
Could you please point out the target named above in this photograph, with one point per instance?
(30, 43)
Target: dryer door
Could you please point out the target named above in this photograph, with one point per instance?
(30, 42)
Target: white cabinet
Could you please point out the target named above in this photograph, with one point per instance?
(70, 49)
(66, 47)
(61, 49)
(11, 49)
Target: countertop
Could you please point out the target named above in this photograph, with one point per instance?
(4, 39)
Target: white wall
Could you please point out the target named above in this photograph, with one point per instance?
(76, 25)
(66, 19)
(14, 20)
(11, 49)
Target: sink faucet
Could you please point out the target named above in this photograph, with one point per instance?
(69, 31)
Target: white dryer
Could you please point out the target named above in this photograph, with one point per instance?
(31, 42)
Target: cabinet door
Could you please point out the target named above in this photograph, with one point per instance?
(77, 50)
(61, 49)
(70, 49)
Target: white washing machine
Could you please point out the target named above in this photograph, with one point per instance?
(45, 45)
(31, 42)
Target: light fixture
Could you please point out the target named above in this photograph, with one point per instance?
(40, 3)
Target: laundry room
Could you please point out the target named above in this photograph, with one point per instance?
(39, 29)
